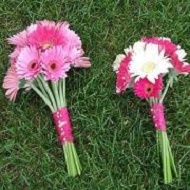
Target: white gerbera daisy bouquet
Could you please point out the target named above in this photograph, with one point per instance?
(143, 68)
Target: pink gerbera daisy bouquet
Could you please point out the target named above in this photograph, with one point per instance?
(43, 55)
(143, 68)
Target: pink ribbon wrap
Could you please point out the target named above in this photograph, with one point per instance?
(63, 125)
(157, 113)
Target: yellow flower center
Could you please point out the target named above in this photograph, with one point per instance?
(46, 45)
(148, 67)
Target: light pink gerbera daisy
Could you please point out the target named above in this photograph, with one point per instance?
(71, 38)
(55, 63)
(76, 58)
(14, 55)
(21, 39)
(82, 62)
(47, 23)
(46, 35)
(143, 88)
(11, 83)
(28, 63)
(123, 75)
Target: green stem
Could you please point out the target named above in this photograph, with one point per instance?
(77, 163)
(168, 166)
(48, 90)
(72, 163)
(45, 99)
(41, 87)
(171, 158)
(64, 95)
(60, 87)
(164, 158)
(166, 89)
(56, 93)
(67, 158)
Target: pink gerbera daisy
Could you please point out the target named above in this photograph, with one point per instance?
(11, 83)
(14, 55)
(46, 35)
(76, 58)
(28, 63)
(47, 23)
(82, 62)
(71, 38)
(164, 44)
(143, 88)
(55, 63)
(21, 39)
(123, 75)
(179, 66)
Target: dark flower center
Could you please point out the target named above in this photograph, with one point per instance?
(33, 65)
(53, 66)
(148, 89)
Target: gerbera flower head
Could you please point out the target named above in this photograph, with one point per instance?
(19, 39)
(180, 67)
(47, 23)
(175, 52)
(117, 62)
(80, 61)
(28, 63)
(46, 35)
(123, 76)
(11, 83)
(77, 59)
(72, 39)
(144, 89)
(163, 43)
(14, 55)
(55, 63)
(150, 62)
(74, 54)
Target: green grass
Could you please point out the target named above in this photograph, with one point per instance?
(114, 135)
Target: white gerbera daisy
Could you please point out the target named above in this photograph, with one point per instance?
(149, 62)
(181, 54)
(139, 47)
(117, 62)
(128, 50)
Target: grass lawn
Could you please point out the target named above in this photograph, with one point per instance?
(114, 134)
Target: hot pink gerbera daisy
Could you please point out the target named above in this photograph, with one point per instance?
(123, 75)
(164, 44)
(55, 63)
(11, 83)
(46, 35)
(179, 66)
(145, 89)
(28, 63)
